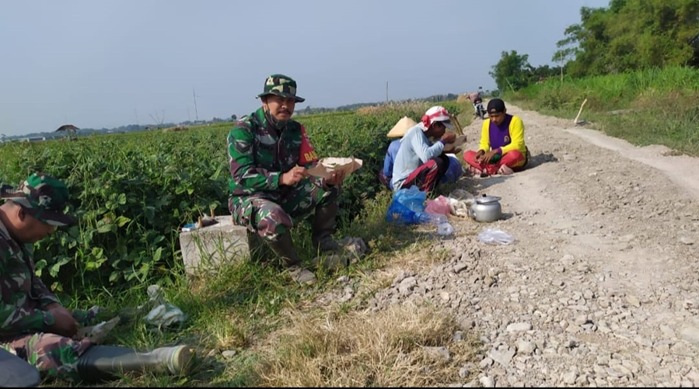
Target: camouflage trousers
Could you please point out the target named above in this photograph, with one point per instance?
(53, 355)
(273, 214)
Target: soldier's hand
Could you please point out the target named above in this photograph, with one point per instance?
(293, 176)
(65, 324)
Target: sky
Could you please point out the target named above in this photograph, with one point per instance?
(109, 63)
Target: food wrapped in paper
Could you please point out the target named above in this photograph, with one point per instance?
(327, 166)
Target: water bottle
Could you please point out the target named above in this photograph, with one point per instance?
(433, 218)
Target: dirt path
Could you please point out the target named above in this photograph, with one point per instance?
(599, 288)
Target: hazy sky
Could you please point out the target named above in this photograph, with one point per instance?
(107, 63)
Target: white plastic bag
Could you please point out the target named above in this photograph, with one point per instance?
(445, 229)
(495, 236)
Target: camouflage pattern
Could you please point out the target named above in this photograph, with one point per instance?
(44, 197)
(259, 154)
(5, 190)
(281, 85)
(23, 320)
(53, 355)
(24, 297)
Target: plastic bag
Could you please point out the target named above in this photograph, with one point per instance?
(407, 206)
(493, 236)
(439, 205)
(445, 229)
(413, 198)
(454, 171)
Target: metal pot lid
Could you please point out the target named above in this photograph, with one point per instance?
(487, 199)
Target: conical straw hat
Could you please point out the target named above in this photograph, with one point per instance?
(403, 125)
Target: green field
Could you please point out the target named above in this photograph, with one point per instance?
(132, 193)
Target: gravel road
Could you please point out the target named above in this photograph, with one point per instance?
(600, 287)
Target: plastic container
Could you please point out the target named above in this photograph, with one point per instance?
(445, 229)
(433, 218)
(189, 227)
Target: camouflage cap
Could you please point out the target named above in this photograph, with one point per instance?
(281, 85)
(44, 197)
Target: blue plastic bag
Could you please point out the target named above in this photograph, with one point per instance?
(454, 171)
(407, 206)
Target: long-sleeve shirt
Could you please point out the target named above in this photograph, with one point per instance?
(259, 154)
(389, 160)
(23, 294)
(415, 149)
(507, 136)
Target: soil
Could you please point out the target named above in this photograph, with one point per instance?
(599, 287)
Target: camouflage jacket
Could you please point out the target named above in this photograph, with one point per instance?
(23, 294)
(258, 154)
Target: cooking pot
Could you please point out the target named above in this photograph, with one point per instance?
(486, 208)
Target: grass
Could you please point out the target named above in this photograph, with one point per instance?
(644, 108)
(253, 326)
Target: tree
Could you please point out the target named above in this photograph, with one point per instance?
(513, 71)
(631, 35)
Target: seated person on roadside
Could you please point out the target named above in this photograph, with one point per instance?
(453, 173)
(419, 161)
(34, 325)
(269, 188)
(501, 149)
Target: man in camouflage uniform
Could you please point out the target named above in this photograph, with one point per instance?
(269, 153)
(33, 323)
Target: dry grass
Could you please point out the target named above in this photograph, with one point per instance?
(417, 106)
(463, 99)
(394, 347)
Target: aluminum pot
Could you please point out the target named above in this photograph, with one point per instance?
(486, 209)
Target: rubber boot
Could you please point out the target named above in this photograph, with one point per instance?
(323, 227)
(284, 248)
(101, 363)
(15, 372)
(259, 251)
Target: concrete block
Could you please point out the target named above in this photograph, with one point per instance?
(210, 248)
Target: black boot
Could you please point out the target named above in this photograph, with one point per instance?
(259, 250)
(101, 363)
(323, 226)
(15, 372)
(284, 248)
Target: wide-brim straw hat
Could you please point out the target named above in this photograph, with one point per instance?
(403, 125)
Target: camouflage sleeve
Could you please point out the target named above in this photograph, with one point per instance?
(244, 172)
(15, 321)
(40, 291)
(18, 311)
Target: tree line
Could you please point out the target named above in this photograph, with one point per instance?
(628, 35)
